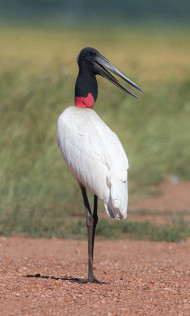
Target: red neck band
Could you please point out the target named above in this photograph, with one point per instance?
(87, 102)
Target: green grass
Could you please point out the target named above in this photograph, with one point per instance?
(106, 229)
(37, 76)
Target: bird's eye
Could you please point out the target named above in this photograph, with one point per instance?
(84, 56)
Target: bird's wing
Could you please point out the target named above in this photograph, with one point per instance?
(116, 160)
(95, 156)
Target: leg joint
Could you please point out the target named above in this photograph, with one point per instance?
(89, 220)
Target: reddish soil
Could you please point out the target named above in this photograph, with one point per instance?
(142, 278)
(161, 204)
(165, 197)
(38, 276)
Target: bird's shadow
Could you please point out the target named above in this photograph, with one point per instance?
(76, 280)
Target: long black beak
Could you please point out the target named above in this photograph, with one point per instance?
(101, 63)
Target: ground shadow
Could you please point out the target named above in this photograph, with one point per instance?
(76, 280)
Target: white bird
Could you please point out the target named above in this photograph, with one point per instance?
(91, 150)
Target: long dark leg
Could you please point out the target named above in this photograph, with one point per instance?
(91, 234)
(91, 221)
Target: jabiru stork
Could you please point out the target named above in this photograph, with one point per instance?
(91, 150)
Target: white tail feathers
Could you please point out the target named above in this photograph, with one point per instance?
(118, 198)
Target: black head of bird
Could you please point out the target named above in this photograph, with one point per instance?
(92, 63)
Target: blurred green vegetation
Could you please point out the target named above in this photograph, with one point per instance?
(37, 76)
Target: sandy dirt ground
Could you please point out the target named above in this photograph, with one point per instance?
(166, 202)
(167, 196)
(41, 276)
(141, 278)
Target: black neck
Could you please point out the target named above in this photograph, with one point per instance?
(86, 83)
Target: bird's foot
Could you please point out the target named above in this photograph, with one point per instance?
(91, 279)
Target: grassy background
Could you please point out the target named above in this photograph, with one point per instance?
(38, 195)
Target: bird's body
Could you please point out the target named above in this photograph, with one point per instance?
(95, 156)
(91, 150)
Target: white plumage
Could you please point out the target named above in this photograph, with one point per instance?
(95, 157)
